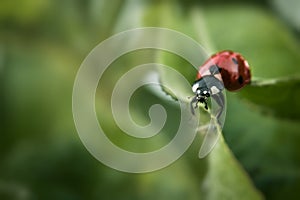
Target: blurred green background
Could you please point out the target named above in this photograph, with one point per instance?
(42, 44)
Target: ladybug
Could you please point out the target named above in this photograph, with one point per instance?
(226, 69)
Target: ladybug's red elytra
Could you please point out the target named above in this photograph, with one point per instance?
(224, 69)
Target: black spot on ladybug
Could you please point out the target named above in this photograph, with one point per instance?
(235, 61)
(215, 69)
(241, 80)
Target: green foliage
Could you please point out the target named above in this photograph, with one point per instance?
(278, 97)
(41, 47)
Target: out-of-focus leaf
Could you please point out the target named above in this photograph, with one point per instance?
(267, 44)
(289, 9)
(24, 13)
(278, 96)
(163, 15)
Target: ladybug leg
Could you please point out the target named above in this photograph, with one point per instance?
(220, 100)
(194, 100)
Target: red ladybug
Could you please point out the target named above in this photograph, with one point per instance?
(224, 69)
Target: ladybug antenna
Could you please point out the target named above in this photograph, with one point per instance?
(194, 100)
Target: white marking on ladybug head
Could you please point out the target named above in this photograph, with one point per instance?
(195, 87)
(214, 90)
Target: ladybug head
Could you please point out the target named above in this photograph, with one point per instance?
(202, 93)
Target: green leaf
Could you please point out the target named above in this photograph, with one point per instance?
(226, 179)
(279, 97)
(267, 147)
